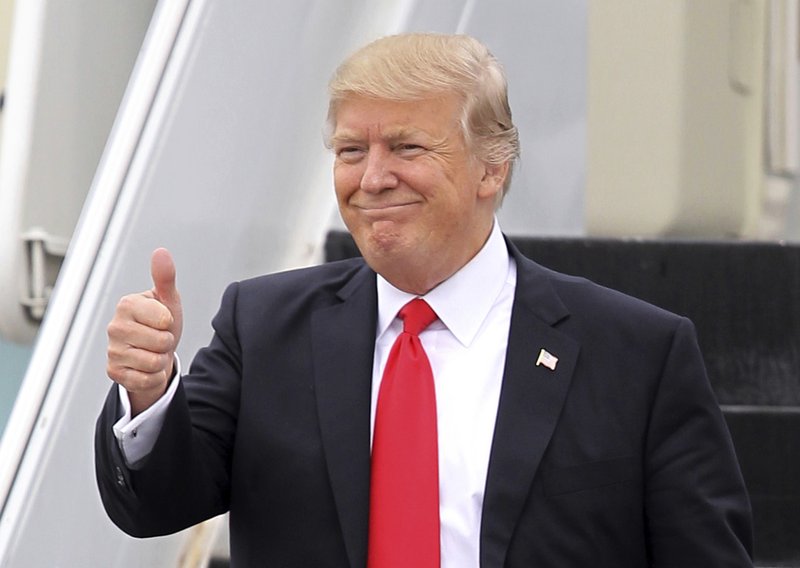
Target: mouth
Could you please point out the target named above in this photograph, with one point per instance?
(383, 209)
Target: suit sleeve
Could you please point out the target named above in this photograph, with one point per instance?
(185, 478)
(697, 508)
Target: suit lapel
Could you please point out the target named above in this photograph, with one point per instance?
(531, 399)
(343, 342)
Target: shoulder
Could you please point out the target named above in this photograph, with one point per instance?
(591, 306)
(323, 278)
(583, 294)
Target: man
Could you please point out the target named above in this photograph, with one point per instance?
(573, 425)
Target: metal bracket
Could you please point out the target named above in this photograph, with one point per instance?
(45, 253)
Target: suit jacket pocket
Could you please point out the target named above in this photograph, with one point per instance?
(559, 481)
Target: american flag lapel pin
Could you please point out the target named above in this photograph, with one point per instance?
(547, 359)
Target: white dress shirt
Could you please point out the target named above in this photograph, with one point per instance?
(466, 347)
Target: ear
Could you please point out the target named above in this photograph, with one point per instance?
(494, 176)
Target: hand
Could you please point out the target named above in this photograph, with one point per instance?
(143, 336)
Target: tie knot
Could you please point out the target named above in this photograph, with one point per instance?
(416, 316)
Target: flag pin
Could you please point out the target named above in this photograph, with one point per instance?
(547, 359)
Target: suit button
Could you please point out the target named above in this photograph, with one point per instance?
(120, 477)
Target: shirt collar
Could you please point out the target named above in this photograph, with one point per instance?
(476, 286)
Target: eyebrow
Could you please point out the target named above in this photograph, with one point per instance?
(392, 136)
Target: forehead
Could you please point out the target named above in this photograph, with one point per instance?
(357, 116)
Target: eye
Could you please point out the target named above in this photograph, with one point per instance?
(349, 154)
(409, 149)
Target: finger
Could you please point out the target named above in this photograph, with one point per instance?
(135, 380)
(144, 309)
(125, 332)
(149, 362)
(162, 271)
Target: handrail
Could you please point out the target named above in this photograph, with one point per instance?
(112, 172)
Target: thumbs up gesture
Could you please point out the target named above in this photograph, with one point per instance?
(143, 336)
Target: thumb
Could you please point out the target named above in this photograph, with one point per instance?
(162, 270)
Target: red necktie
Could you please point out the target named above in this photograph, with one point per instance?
(404, 490)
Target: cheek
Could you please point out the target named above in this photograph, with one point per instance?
(345, 182)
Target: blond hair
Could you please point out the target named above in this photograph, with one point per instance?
(411, 67)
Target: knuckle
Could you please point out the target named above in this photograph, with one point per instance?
(154, 363)
(163, 377)
(165, 342)
(112, 364)
(165, 318)
(114, 328)
(132, 381)
(126, 304)
(143, 382)
(113, 373)
(137, 381)
(162, 363)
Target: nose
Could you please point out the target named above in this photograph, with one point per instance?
(378, 174)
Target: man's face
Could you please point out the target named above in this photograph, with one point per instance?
(417, 202)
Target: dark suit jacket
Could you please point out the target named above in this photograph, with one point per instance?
(619, 457)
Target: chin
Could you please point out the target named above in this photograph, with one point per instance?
(380, 247)
(383, 236)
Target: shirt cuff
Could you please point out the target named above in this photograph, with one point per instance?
(136, 436)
